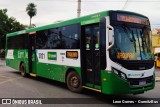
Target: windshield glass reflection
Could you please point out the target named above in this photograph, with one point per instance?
(132, 43)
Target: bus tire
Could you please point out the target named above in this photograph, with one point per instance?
(74, 82)
(23, 70)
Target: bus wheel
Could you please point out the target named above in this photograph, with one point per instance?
(23, 70)
(73, 82)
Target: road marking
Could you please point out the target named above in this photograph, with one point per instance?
(13, 79)
(4, 76)
(157, 79)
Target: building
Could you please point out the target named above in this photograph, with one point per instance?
(156, 38)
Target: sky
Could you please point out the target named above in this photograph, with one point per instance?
(50, 11)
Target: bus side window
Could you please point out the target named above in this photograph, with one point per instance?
(21, 44)
(66, 37)
(70, 36)
(41, 40)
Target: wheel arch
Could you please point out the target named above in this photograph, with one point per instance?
(20, 64)
(70, 70)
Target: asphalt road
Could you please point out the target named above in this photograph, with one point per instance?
(12, 85)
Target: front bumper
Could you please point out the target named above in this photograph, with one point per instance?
(113, 84)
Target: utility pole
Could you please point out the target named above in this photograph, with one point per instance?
(79, 8)
(125, 5)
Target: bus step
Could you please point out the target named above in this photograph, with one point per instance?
(33, 75)
(91, 88)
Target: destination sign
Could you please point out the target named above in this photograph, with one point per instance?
(125, 55)
(72, 54)
(132, 19)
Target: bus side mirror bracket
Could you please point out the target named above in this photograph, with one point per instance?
(110, 36)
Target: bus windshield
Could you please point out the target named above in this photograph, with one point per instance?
(132, 43)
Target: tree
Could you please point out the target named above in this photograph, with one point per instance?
(7, 25)
(32, 26)
(31, 11)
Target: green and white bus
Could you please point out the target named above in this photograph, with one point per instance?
(109, 52)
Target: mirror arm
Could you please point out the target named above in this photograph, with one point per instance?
(110, 27)
(110, 46)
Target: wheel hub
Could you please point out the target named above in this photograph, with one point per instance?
(74, 81)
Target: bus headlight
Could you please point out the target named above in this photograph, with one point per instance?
(123, 76)
(119, 73)
(115, 71)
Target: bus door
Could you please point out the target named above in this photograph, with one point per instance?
(32, 54)
(91, 56)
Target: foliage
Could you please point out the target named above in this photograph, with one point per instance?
(8, 25)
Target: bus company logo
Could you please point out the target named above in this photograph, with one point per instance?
(142, 74)
(52, 55)
(134, 75)
(20, 54)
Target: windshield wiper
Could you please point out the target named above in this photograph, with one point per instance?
(126, 29)
(134, 41)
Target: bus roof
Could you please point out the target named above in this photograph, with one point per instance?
(67, 22)
(71, 21)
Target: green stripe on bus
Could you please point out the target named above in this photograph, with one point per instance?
(96, 20)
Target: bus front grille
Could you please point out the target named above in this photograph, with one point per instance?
(137, 81)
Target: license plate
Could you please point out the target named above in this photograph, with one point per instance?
(142, 82)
